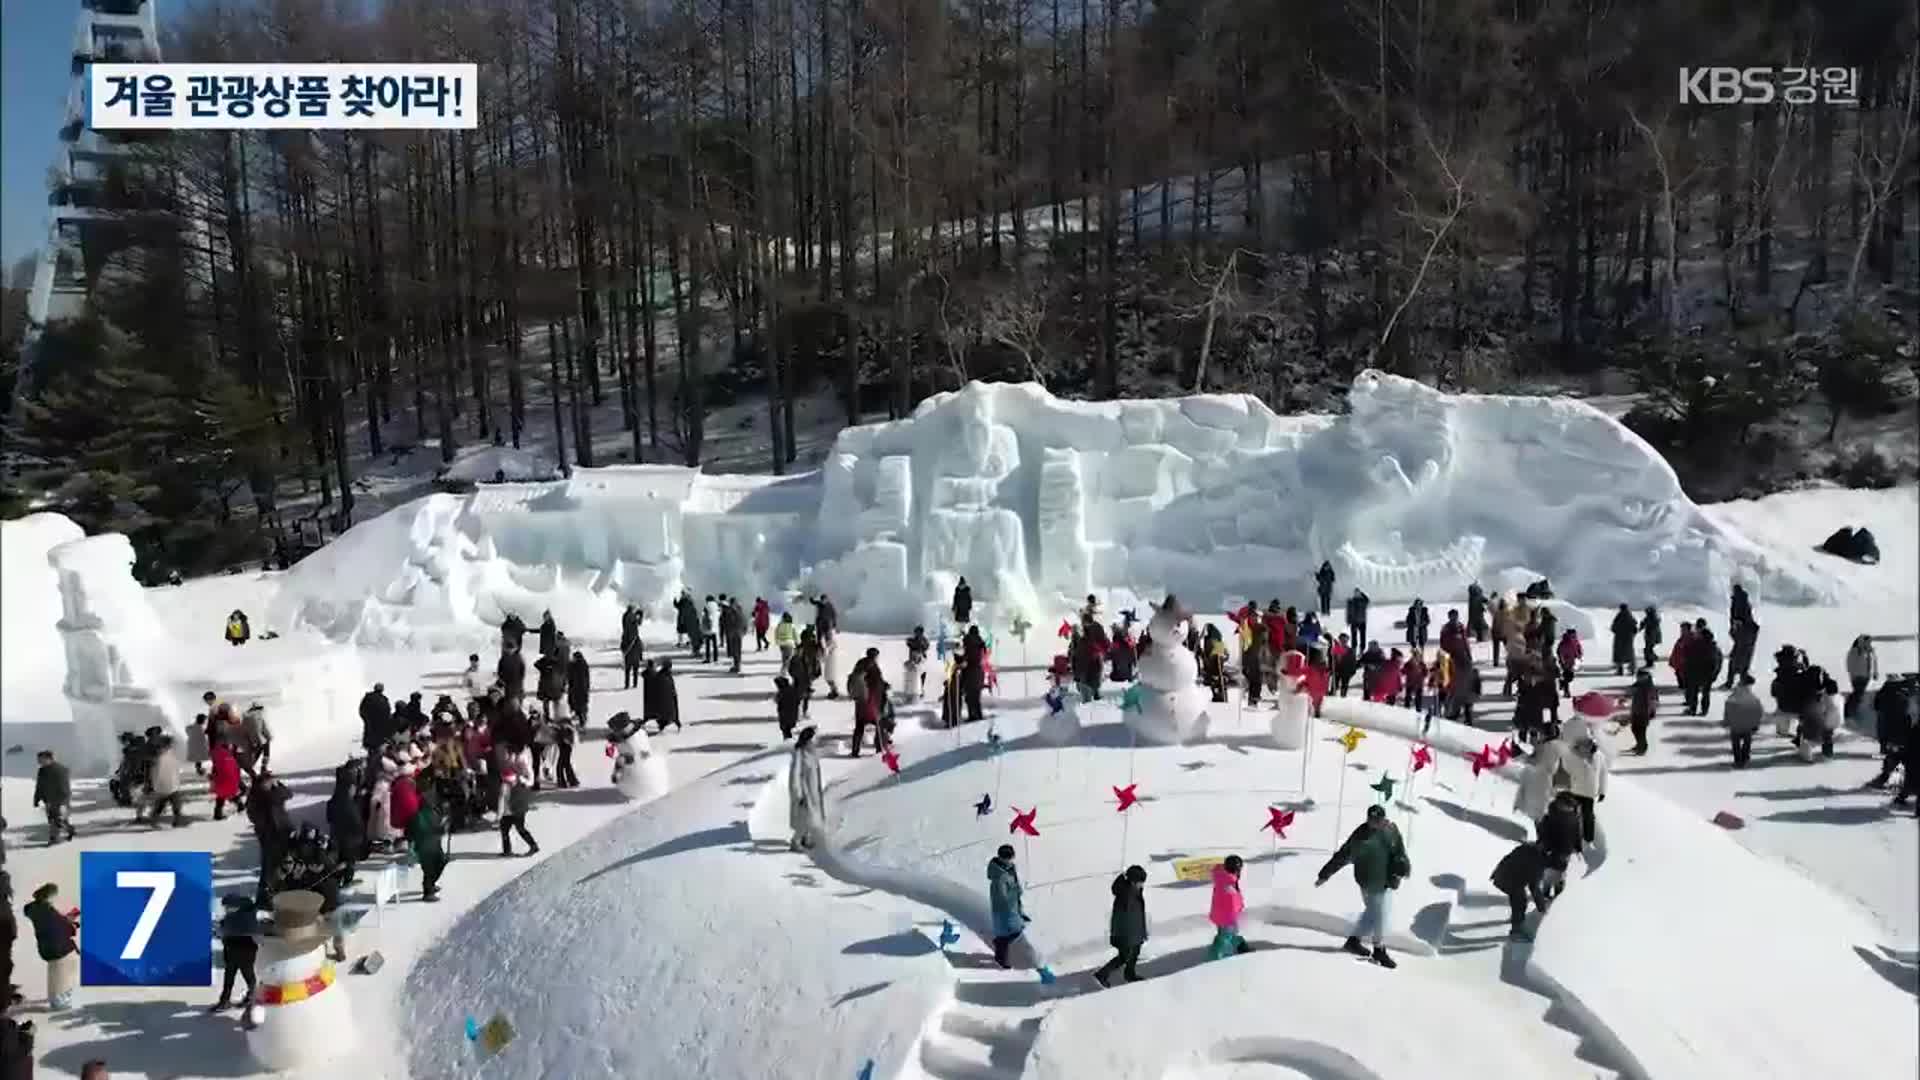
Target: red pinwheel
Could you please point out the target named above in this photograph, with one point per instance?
(1482, 760)
(892, 758)
(1279, 821)
(1422, 757)
(1066, 629)
(1023, 822)
(1126, 796)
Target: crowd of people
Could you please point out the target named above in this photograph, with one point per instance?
(426, 772)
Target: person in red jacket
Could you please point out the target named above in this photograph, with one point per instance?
(1276, 625)
(1390, 680)
(1414, 677)
(1319, 678)
(404, 799)
(1677, 659)
(1568, 653)
(762, 620)
(224, 784)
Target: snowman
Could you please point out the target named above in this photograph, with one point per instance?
(639, 771)
(1173, 704)
(302, 1014)
(1292, 704)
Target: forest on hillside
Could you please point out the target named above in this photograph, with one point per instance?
(670, 206)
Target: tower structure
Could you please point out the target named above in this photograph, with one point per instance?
(89, 165)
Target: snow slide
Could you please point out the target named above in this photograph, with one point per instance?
(1039, 502)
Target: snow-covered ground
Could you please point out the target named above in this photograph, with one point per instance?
(681, 938)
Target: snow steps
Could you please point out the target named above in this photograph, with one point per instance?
(987, 1030)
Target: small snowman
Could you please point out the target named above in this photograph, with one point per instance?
(302, 1014)
(1292, 704)
(639, 771)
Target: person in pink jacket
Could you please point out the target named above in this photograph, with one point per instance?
(1228, 905)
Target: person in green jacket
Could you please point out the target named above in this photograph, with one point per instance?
(1379, 859)
(423, 833)
(1127, 929)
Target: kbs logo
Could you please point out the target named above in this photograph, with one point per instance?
(148, 918)
(1766, 85)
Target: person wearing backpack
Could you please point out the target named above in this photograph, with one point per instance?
(1378, 856)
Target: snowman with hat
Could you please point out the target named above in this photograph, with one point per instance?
(302, 1014)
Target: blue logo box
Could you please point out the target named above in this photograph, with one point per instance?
(146, 918)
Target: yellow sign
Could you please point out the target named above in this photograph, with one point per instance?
(1197, 869)
(496, 1035)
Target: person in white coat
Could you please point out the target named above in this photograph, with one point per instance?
(1535, 788)
(380, 829)
(806, 802)
(1585, 764)
(1863, 666)
(516, 797)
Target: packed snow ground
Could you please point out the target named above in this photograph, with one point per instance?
(1692, 913)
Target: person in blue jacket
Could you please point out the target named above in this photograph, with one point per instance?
(1003, 892)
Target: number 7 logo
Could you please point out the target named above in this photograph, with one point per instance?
(148, 918)
(161, 882)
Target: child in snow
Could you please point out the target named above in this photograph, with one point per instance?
(1127, 928)
(786, 705)
(1003, 894)
(1379, 859)
(1524, 873)
(1224, 912)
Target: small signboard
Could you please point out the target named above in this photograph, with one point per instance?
(495, 1036)
(1199, 868)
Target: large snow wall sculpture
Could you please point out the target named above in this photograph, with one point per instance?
(1039, 501)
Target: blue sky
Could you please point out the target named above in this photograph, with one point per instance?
(35, 36)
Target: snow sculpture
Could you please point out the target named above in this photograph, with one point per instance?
(1039, 501)
(1293, 709)
(639, 770)
(113, 641)
(1173, 704)
(303, 1013)
(33, 663)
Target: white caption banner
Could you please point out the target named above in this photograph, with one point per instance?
(214, 97)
